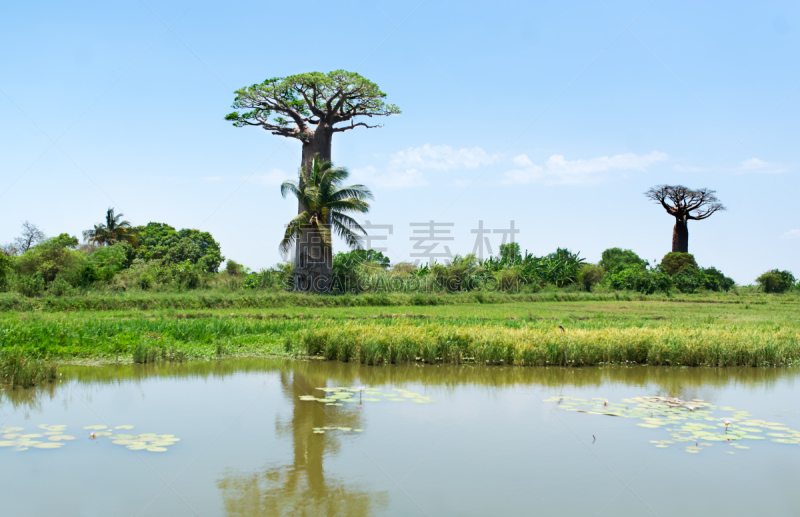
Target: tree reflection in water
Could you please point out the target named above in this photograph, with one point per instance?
(302, 488)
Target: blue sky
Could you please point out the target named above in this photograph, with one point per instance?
(555, 115)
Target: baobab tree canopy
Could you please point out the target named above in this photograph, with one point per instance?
(311, 108)
(684, 204)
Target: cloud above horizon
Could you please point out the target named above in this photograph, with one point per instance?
(557, 170)
(791, 234)
(749, 166)
(405, 168)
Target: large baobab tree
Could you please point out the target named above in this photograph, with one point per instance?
(311, 108)
(684, 204)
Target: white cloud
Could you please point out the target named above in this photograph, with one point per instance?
(440, 158)
(759, 166)
(749, 166)
(271, 178)
(791, 234)
(405, 168)
(389, 179)
(559, 170)
(212, 179)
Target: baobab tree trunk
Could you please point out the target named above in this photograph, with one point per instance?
(313, 261)
(680, 235)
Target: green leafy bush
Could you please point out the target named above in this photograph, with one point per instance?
(647, 281)
(675, 261)
(31, 285)
(615, 260)
(725, 283)
(108, 261)
(279, 277)
(51, 258)
(352, 270)
(776, 281)
(590, 275)
(158, 241)
(691, 279)
(60, 286)
(234, 268)
(6, 268)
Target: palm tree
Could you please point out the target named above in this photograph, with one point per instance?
(111, 232)
(324, 206)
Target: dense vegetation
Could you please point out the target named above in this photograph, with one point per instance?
(718, 329)
(157, 258)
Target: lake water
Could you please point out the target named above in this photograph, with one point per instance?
(423, 440)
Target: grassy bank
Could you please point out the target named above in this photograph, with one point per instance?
(221, 299)
(721, 330)
(535, 347)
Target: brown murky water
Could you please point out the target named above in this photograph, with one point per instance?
(460, 441)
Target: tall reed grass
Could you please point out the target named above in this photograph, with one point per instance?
(400, 343)
(18, 369)
(228, 300)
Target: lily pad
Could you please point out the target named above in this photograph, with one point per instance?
(48, 445)
(61, 437)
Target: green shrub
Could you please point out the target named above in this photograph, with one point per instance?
(590, 275)
(647, 281)
(51, 258)
(158, 241)
(108, 261)
(6, 267)
(233, 268)
(279, 277)
(31, 285)
(725, 283)
(675, 261)
(690, 280)
(776, 281)
(59, 286)
(615, 260)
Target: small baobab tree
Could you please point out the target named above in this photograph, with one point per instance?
(684, 204)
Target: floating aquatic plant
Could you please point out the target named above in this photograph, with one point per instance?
(144, 442)
(359, 394)
(12, 437)
(56, 438)
(321, 430)
(693, 421)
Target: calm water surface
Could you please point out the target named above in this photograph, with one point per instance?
(488, 444)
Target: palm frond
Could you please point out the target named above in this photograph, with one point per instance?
(350, 205)
(352, 239)
(357, 191)
(290, 187)
(294, 230)
(347, 221)
(319, 189)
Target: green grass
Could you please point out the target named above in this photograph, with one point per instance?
(17, 368)
(719, 330)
